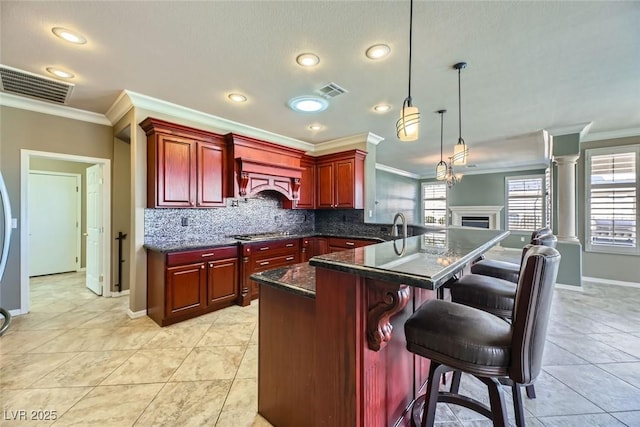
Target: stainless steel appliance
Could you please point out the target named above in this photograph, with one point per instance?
(5, 239)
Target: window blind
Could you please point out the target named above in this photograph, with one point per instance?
(525, 203)
(435, 203)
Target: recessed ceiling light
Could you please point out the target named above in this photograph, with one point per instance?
(60, 73)
(378, 51)
(308, 104)
(382, 108)
(315, 127)
(68, 35)
(307, 60)
(237, 97)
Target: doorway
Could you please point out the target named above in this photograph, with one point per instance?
(101, 249)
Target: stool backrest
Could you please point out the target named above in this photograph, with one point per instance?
(531, 309)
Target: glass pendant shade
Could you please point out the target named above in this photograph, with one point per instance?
(441, 171)
(407, 128)
(460, 152)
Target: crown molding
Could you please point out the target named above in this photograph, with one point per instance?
(615, 134)
(23, 103)
(385, 168)
(119, 108)
(579, 128)
(164, 107)
(360, 138)
(483, 171)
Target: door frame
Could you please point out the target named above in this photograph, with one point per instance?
(78, 178)
(25, 157)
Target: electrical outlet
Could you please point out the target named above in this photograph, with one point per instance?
(185, 221)
(522, 238)
(234, 203)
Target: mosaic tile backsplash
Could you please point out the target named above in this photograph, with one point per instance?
(256, 215)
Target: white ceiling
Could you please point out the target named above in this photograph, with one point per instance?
(532, 66)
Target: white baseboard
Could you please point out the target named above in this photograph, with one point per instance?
(82, 269)
(119, 294)
(17, 312)
(136, 314)
(598, 280)
(569, 287)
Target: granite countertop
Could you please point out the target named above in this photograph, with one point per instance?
(298, 278)
(164, 245)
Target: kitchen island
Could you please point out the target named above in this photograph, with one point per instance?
(332, 347)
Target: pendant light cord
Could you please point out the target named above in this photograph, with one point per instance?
(410, 41)
(441, 128)
(459, 108)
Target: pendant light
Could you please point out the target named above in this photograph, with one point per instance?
(460, 151)
(441, 168)
(407, 126)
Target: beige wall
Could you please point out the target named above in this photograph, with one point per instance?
(22, 129)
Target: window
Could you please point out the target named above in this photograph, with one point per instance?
(434, 203)
(526, 203)
(612, 204)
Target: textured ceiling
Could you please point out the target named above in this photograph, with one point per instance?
(532, 66)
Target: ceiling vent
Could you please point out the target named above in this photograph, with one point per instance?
(331, 90)
(32, 85)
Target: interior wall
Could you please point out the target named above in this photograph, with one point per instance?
(602, 265)
(22, 129)
(397, 193)
(53, 165)
(121, 210)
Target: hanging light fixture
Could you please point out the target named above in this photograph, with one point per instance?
(441, 168)
(460, 151)
(408, 126)
(451, 178)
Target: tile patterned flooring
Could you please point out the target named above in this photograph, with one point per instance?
(81, 356)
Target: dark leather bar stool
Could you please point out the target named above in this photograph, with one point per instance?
(509, 270)
(491, 286)
(456, 337)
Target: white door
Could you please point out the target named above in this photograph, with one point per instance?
(95, 230)
(54, 223)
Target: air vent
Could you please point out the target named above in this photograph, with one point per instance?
(331, 90)
(32, 85)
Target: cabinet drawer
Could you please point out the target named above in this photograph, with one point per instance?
(274, 247)
(262, 264)
(348, 243)
(210, 254)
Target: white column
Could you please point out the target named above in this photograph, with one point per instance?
(567, 197)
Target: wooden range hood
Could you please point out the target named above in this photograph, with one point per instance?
(257, 166)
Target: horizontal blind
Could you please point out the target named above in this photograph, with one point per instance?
(525, 203)
(435, 203)
(613, 200)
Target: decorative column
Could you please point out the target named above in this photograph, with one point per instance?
(567, 197)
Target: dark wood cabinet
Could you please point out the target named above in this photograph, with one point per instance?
(261, 256)
(337, 244)
(307, 194)
(340, 180)
(185, 166)
(182, 285)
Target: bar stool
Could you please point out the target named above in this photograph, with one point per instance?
(456, 337)
(491, 287)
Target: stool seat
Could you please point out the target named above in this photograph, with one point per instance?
(461, 336)
(500, 269)
(495, 296)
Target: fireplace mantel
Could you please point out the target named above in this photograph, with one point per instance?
(492, 212)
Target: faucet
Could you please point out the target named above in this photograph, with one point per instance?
(394, 227)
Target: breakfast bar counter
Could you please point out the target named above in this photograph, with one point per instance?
(331, 342)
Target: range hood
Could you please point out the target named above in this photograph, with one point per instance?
(259, 166)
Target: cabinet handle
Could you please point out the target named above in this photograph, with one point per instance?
(264, 248)
(202, 267)
(288, 245)
(349, 243)
(207, 255)
(264, 263)
(289, 258)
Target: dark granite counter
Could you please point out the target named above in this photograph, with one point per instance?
(299, 279)
(425, 261)
(163, 245)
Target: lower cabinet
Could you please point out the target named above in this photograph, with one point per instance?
(337, 244)
(182, 285)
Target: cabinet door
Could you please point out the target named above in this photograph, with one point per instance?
(325, 185)
(186, 290)
(176, 172)
(222, 281)
(344, 170)
(211, 182)
(307, 186)
(321, 246)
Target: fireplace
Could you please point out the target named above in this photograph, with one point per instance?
(475, 221)
(476, 216)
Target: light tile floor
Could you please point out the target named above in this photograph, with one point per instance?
(82, 357)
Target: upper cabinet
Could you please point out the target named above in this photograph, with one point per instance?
(186, 167)
(340, 180)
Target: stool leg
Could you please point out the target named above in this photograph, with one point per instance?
(496, 397)
(531, 391)
(455, 382)
(431, 396)
(517, 404)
